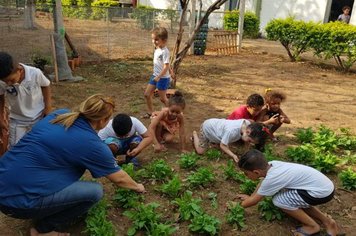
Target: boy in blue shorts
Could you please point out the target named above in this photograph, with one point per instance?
(126, 135)
(296, 190)
(161, 77)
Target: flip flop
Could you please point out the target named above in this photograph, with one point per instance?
(300, 230)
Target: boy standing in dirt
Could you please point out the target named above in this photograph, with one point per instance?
(161, 77)
(296, 190)
(28, 94)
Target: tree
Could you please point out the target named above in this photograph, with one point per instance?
(29, 14)
(178, 54)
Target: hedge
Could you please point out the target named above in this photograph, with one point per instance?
(251, 23)
(334, 39)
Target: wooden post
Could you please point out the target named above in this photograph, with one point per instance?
(241, 23)
(54, 58)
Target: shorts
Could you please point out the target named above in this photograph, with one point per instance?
(162, 84)
(203, 140)
(123, 145)
(293, 199)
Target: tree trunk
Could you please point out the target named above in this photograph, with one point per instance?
(64, 71)
(29, 14)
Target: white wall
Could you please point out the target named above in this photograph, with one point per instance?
(160, 4)
(353, 16)
(307, 10)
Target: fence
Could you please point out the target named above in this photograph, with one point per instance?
(98, 33)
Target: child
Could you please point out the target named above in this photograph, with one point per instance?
(28, 94)
(160, 78)
(126, 135)
(226, 132)
(168, 121)
(295, 188)
(273, 109)
(345, 17)
(249, 111)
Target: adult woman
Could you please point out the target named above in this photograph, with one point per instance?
(39, 177)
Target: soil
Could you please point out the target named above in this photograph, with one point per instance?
(213, 86)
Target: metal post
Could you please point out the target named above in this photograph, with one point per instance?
(240, 29)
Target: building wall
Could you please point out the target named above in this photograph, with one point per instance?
(353, 16)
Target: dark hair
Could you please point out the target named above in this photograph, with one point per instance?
(177, 99)
(273, 94)
(258, 134)
(253, 160)
(346, 7)
(122, 124)
(160, 32)
(255, 100)
(7, 65)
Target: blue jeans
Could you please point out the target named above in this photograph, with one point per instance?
(123, 145)
(58, 211)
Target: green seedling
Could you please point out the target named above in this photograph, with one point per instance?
(325, 162)
(213, 198)
(231, 173)
(158, 170)
(126, 198)
(303, 154)
(269, 211)
(205, 224)
(268, 152)
(248, 186)
(348, 179)
(236, 215)
(213, 154)
(305, 135)
(188, 206)
(172, 188)
(188, 160)
(202, 177)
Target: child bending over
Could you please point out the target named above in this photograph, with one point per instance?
(272, 115)
(28, 94)
(249, 111)
(161, 77)
(126, 135)
(168, 121)
(225, 132)
(295, 188)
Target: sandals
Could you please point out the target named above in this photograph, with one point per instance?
(300, 231)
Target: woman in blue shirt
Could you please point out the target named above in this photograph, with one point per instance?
(39, 176)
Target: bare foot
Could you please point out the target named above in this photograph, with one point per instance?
(331, 227)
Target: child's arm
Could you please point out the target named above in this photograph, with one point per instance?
(181, 132)
(252, 200)
(163, 72)
(46, 92)
(227, 150)
(147, 140)
(284, 118)
(153, 128)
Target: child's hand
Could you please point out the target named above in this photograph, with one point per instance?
(274, 119)
(160, 148)
(156, 79)
(242, 196)
(282, 119)
(134, 152)
(236, 159)
(140, 188)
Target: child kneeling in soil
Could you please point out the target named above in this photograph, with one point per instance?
(295, 188)
(225, 132)
(168, 121)
(126, 135)
(273, 109)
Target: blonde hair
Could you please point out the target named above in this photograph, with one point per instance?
(94, 108)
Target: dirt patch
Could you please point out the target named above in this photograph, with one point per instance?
(213, 87)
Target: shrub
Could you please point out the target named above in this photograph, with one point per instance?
(293, 34)
(268, 210)
(236, 215)
(101, 9)
(348, 179)
(205, 224)
(251, 23)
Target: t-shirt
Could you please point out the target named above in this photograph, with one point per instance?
(286, 175)
(222, 130)
(50, 158)
(25, 99)
(160, 57)
(344, 18)
(137, 127)
(241, 113)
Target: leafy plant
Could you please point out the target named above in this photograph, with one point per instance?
(268, 210)
(213, 154)
(325, 162)
(302, 154)
(236, 215)
(205, 224)
(40, 61)
(348, 179)
(251, 23)
(96, 221)
(305, 135)
(172, 188)
(213, 198)
(325, 139)
(230, 172)
(127, 198)
(158, 170)
(202, 177)
(145, 217)
(248, 186)
(145, 16)
(268, 152)
(130, 170)
(346, 140)
(188, 206)
(188, 160)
